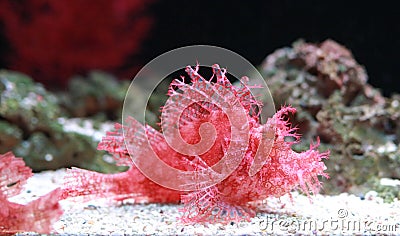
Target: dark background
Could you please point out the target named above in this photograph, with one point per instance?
(254, 29)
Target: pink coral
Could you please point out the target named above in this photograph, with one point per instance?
(52, 40)
(36, 216)
(230, 199)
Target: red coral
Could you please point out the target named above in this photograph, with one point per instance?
(36, 216)
(232, 198)
(52, 40)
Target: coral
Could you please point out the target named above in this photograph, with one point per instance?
(26, 103)
(36, 216)
(231, 199)
(362, 141)
(31, 127)
(97, 94)
(307, 74)
(52, 40)
(359, 126)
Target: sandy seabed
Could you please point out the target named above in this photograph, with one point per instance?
(341, 214)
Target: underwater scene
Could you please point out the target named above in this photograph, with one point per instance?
(151, 117)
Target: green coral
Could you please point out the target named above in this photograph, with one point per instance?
(30, 128)
(10, 136)
(359, 126)
(388, 192)
(25, 103)
(99, 95)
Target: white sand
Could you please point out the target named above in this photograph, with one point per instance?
(341, 214)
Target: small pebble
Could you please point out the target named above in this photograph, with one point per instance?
(371, 195)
